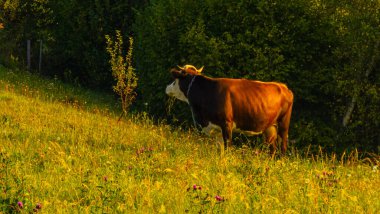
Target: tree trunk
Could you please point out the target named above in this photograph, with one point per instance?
(371, 66)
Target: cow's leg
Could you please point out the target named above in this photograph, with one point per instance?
(227, 134)
(283, 129)
(270, 135)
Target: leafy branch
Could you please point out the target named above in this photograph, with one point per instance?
(122, 70)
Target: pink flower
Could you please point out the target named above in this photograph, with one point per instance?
(20, 204)
(219, 198)
(194, 187)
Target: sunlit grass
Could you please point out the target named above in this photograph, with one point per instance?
(74, 156)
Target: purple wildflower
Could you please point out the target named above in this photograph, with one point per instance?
(20, 204)
(194, 187)
(218, 198)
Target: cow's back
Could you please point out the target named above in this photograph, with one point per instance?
(254, 105)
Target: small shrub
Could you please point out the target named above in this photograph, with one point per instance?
(122, 70)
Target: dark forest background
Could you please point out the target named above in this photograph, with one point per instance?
(326, 51)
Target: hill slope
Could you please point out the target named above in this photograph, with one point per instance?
(62, 150)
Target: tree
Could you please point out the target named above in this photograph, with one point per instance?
(22, 20)
(358, 82)
(122, 70)
(325, 51)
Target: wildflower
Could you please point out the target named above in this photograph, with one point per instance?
(219, 198)
(20, 204)
(140, 151)
(194, 187)
(105, 178)
(38, 206)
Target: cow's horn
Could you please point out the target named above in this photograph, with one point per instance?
(201, 69)
(182, 68)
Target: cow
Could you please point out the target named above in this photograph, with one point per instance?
(253, 107)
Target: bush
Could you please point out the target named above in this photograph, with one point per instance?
(122, 70)
(295, 42)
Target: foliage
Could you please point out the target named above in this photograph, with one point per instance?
(58, 157)
(315, 47)
(122, 70)
(356, 73)
(251, 39)
(22, 20)
(72, 33)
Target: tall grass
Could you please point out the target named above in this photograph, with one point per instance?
(60, 156)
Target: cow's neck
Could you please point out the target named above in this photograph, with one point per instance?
(189, 87)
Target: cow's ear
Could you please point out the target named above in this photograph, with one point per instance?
(177, 73)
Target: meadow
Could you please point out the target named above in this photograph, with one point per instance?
(63, 150)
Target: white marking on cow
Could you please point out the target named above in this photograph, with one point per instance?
(214, 131)
(174, 91)
(234, 129)
(211, 129)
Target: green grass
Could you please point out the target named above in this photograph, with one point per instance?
(63, 148)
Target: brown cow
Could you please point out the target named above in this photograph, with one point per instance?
(253, 107)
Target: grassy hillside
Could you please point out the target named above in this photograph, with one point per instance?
(63, 151)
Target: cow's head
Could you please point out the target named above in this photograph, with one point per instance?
(182, 79)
